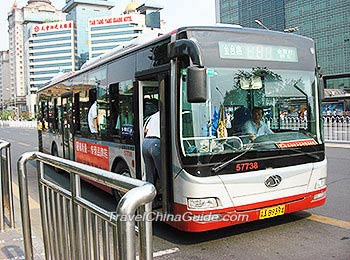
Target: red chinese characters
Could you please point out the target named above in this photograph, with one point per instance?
(296, 143)
(96, 155)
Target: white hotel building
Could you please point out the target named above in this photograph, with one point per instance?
(50, 50)
(109, 32)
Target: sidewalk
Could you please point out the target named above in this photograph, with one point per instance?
(12, 247)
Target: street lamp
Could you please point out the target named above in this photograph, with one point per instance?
(261, 24)
(291, 29)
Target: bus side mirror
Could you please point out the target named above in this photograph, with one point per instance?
(196, 84)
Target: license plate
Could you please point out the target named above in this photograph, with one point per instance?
(272, 212)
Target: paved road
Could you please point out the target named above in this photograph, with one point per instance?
(321, 232)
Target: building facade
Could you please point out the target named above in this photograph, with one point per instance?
(325, 21)
(20, 21)
(50, 49)
(245, 12)
(80, 11)
(5, 95)
(328, 23)
(110, 32)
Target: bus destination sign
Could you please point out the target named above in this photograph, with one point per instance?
(251, 51)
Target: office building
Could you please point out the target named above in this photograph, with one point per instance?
(5, 95)
(50, 50)
(80, 11)
(245, 12)
(110, 32)
(107, 33)
(325, 21)
(328, 23)
(20, 20)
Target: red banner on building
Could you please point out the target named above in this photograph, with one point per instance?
(296, 143)
(46, 27)
(92, 154)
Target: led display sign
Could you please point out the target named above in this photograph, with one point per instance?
(251, 51)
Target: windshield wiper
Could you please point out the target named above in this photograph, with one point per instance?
(250, 146)
(223, 165)
(303, 153)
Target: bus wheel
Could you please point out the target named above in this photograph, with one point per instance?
(54, 152)
(122, 169)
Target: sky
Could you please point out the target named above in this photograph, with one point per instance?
(176, 13)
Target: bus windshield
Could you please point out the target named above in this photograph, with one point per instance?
(225, 122)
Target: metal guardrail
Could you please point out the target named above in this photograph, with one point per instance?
(6, 193)
(336, 128)
(75, 228)
(18, 124)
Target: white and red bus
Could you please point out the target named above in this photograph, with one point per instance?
(205, 82)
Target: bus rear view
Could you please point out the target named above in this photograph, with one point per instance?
(250, 143)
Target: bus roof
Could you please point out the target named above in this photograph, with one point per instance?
(152, 38)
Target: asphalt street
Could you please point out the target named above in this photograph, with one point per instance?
(322, 232)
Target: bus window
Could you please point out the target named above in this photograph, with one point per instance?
(103, 107)
(84, 106)
(114, 109)
(150, 99)
(76, 110)
(122, 112)
(92, 112)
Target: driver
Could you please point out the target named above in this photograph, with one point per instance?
(255, 127)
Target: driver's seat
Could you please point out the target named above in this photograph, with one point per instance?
(241, 116)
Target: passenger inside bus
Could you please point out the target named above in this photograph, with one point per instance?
(255, 127)
(151, 148)
(92, 116)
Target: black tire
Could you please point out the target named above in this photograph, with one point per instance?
(122, 169)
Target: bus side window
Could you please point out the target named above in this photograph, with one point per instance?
(122, 111)
(114, 109)
(76, 111)
(103, 107)
(84, 105)
(55, 116)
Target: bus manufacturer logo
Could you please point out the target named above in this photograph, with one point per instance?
(273, 181)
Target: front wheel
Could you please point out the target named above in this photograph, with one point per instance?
(122, 169)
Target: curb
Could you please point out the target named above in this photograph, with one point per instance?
(338, 144)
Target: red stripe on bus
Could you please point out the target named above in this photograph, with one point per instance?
(242, 214)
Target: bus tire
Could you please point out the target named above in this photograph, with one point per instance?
(122, 169)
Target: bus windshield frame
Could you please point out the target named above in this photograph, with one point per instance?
(284, 86)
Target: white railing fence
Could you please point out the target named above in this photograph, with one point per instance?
(18, 124)
(336, 128)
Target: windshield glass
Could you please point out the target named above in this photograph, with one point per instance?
(250, 109)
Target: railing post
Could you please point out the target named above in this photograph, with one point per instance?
(9, 183)
(2, 174)
(126, 229)
(6, 194)
(24, 200)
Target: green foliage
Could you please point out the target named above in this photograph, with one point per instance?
(6, 114)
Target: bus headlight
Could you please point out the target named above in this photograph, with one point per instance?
(319, 195)
(204, 203)
(320, 183)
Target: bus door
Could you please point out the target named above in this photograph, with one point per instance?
(153, 92)
(67, 127)
(149, 101)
